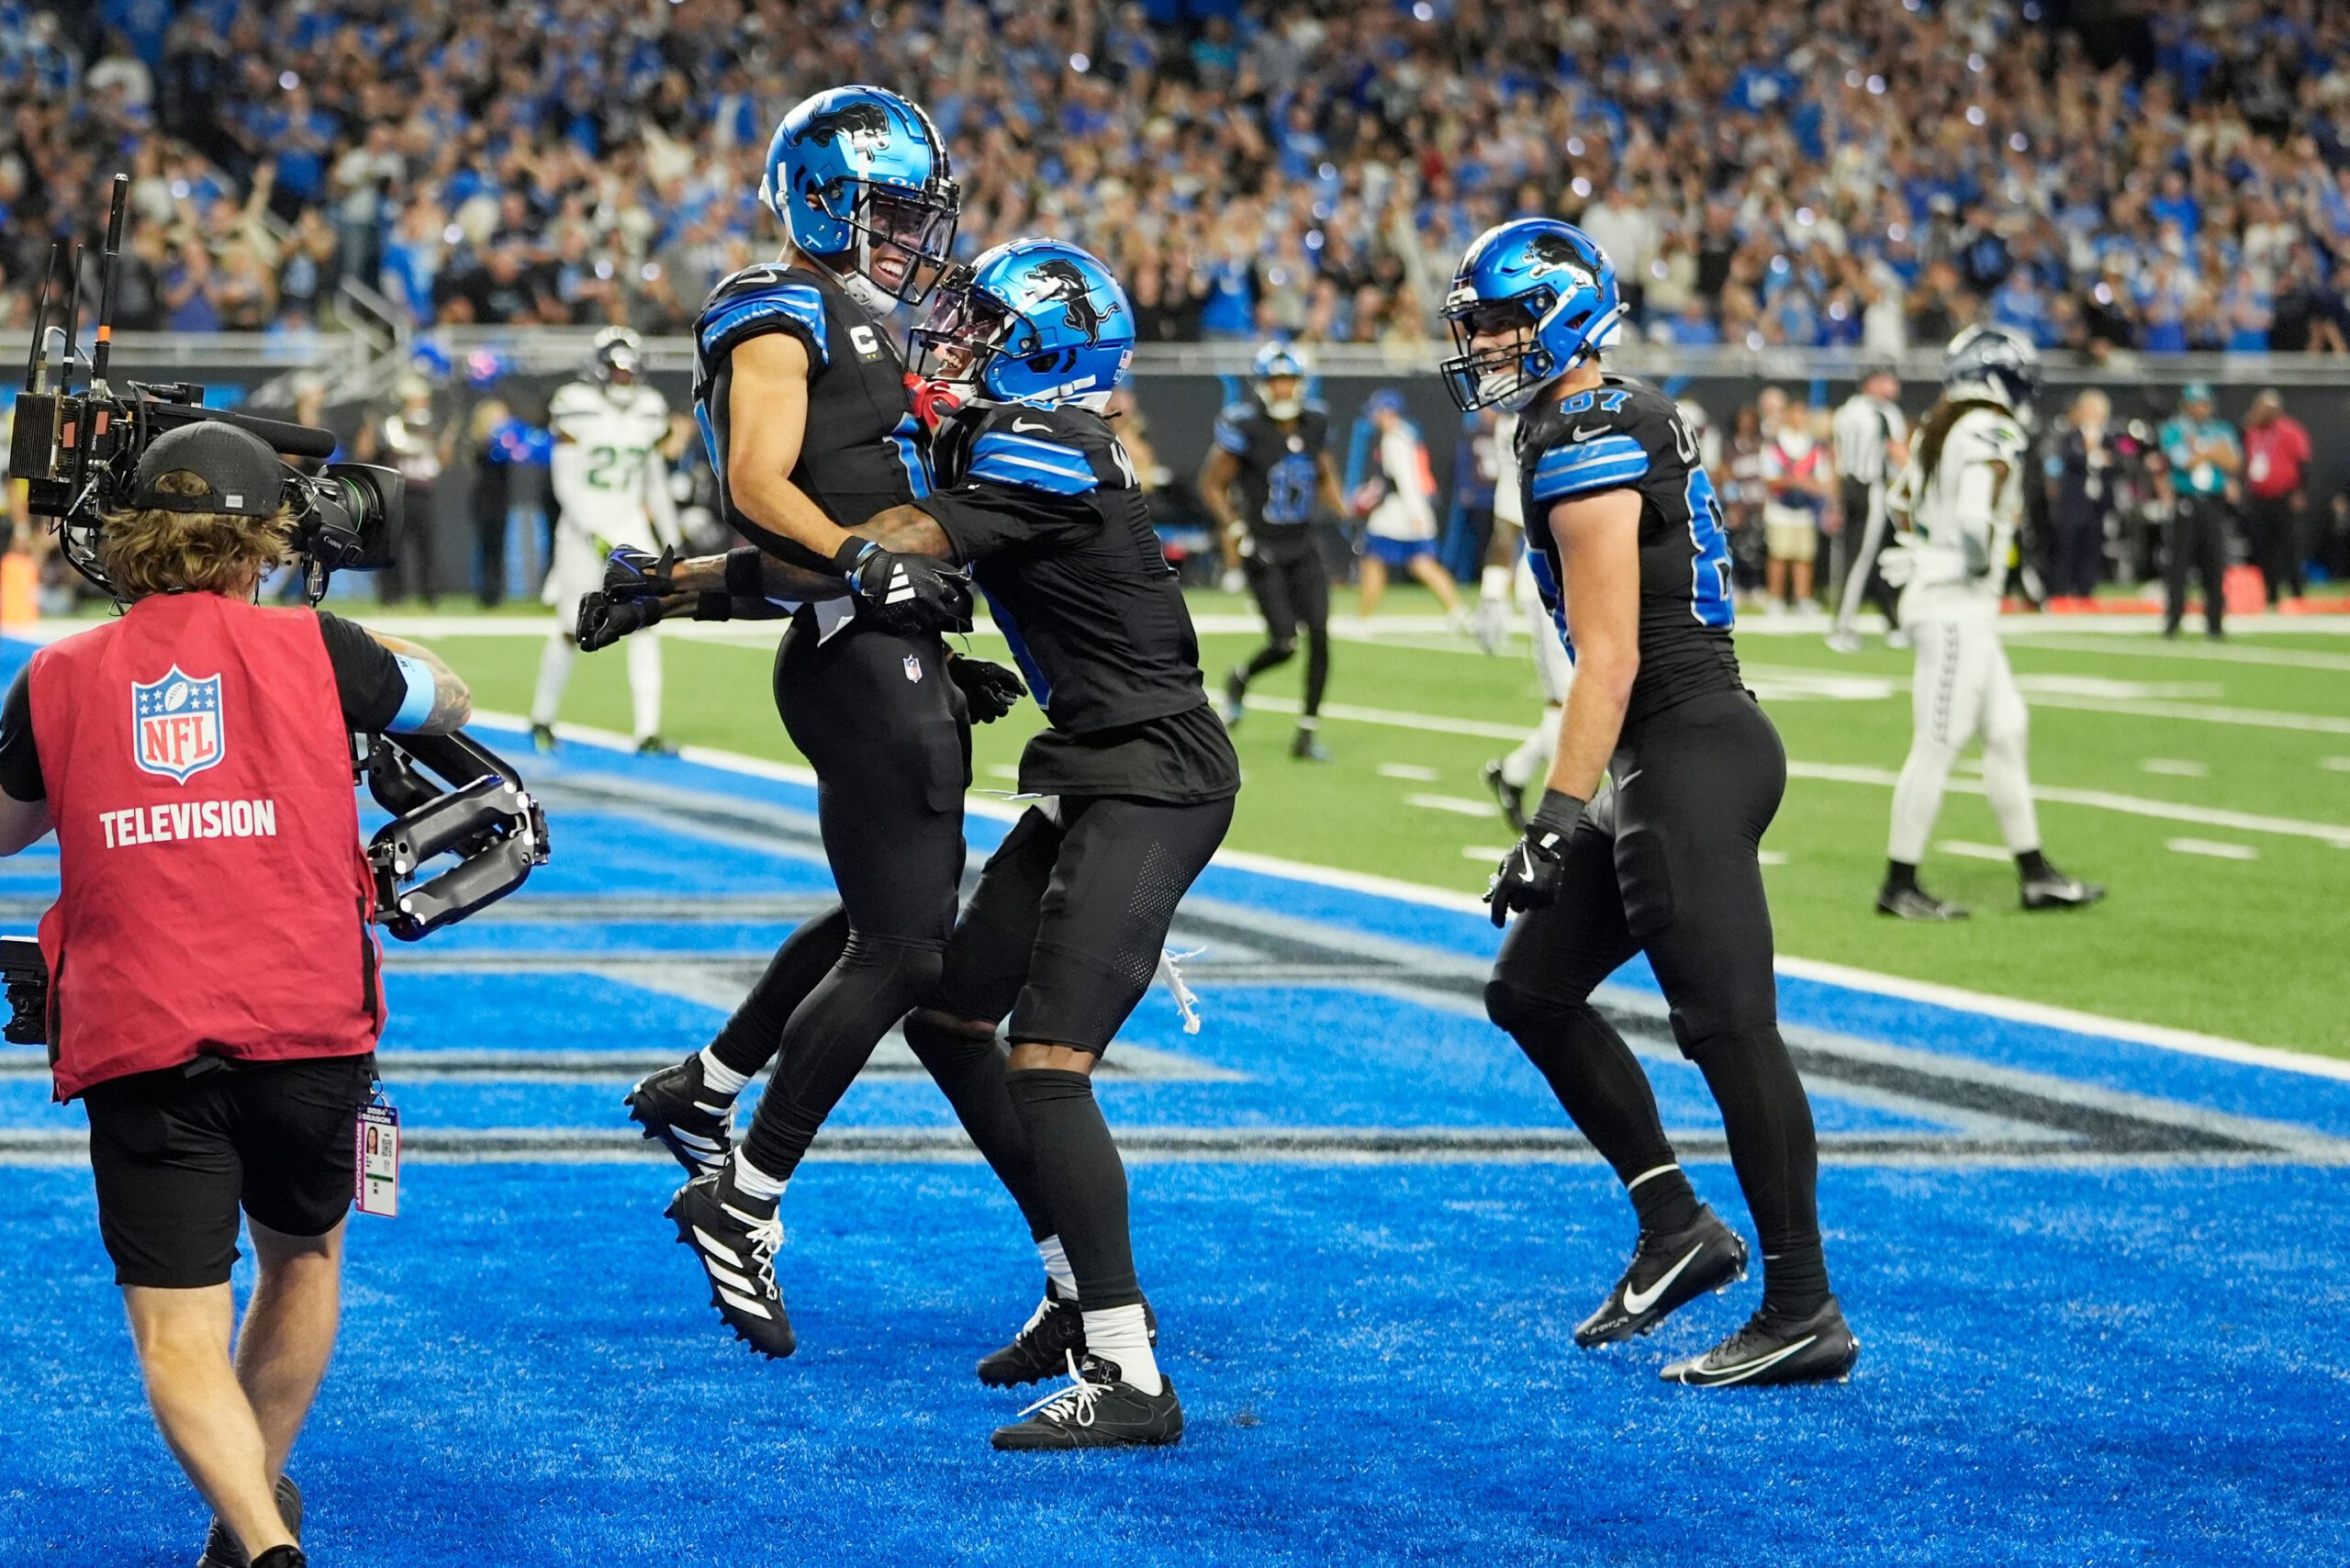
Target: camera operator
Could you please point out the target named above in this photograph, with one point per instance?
(214, 997)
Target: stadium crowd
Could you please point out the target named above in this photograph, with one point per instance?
(1836, 172)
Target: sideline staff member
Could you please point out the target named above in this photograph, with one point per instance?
(214, 996)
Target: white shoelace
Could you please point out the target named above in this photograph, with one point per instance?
(766, 1239)
(1075, 1402)
(1187, 1001)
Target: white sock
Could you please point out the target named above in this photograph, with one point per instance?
(1121, 1335)
(1533, 756)
(1056, 1267)
(720, 1079)
(1492, 584)
(753, 1183)
(644, 684)
(554, 674)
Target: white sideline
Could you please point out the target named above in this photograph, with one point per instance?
(2186, 1041)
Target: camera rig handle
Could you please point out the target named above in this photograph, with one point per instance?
(27, 974)
(485, 817)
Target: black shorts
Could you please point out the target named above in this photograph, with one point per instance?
(889, 738)
(177, 1155)
(1292, 589)
(1065, 930)
(1666, 864)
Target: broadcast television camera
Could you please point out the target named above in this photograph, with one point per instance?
(77, 450)
(78, 453)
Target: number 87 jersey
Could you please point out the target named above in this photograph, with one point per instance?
(1625, 435)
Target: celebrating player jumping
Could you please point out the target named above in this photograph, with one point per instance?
(1631, 556)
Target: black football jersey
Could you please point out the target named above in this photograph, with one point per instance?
(1280, 467)
(1042, 504)
(1625, 434)
(862, 453)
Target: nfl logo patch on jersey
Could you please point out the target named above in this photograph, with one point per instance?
(175, 724)
(913, 666)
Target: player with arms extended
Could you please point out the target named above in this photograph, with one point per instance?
(610, 489)
(1630, 553)
(1274, 449)
(802, 398)
(1962, 494)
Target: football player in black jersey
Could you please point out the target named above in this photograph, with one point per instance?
(802, 398)
(1630, 557)
(1274, 449)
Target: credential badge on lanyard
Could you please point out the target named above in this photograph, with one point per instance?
(376, 1157)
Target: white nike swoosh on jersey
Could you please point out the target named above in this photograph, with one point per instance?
(1023, 429)
(1585, 433)
(1638, 1302)
(1630, 776)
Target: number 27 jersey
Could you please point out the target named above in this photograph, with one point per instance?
(1625, 435)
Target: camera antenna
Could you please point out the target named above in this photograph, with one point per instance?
(103, 350)
(40, 320)
(73, 312)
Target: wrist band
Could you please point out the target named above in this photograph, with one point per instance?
(745, 578)
(851, 552)
(1559, 812)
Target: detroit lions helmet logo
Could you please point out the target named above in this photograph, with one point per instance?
(862, 127)
(1058, 282)
(1549, 253)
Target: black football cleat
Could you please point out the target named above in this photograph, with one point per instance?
(1506, 795)
(1236, 696)
(1096, 1410)
(656, 746)
(1041, 1350)
(1308, 747)
(1668, 1271)
(1917, 904)
(2054, 889)
(221, 1548)
(735, 1237)
(542, 738)
(282, 1557)
(692, 1122)
(1768, 1351)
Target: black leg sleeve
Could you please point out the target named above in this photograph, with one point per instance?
(1772, 1146)
(747, 1042)
(1311, 584)
(1084, 1181)
(968, 1063)
(829, 1038)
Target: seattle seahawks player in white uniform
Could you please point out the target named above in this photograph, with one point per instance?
(610, 489)
(1962, 495)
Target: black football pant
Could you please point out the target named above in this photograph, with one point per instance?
(1291, 588)
(887, 732)
(2198, 544)
(1666, 865)
(2273, 529)
(1063, 935)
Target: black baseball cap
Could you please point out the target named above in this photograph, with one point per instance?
(244, 476)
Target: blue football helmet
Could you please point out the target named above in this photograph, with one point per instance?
(1275, 362)
(854, 169)
(1549, 289)
(1030, 321)
(1996, 360)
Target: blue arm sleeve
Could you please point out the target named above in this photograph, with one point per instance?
(417, 706)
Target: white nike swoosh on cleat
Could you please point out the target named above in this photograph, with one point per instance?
(717, 1248)
(1638, 1302)
(743, 1304)
(1740, 1373)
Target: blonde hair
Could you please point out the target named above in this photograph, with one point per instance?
(150, 551)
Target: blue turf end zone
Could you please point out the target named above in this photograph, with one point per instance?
(2099, 1284)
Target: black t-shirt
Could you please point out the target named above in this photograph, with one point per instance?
(1043, 506)
(367, 678)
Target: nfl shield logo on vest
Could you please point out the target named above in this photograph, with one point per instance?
(175, 724)
(913, 666)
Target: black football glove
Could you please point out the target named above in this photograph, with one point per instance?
(990, 691)
(633, 574)
(906, 592)
(602, 620)
(1529, 875)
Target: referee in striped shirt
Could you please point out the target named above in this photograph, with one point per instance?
(1872, 444)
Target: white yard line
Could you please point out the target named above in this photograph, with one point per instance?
(2212, 848)
(1973, 851)
(2100, 800)
(1459, 805)
(2200, 651)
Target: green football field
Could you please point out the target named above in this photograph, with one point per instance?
(2208, 787)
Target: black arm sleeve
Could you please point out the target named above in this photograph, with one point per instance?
(19, 762)
(367, 674)
(981, 521)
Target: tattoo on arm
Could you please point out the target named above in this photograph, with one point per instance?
(908, 530)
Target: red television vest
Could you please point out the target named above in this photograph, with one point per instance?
(215, 898)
